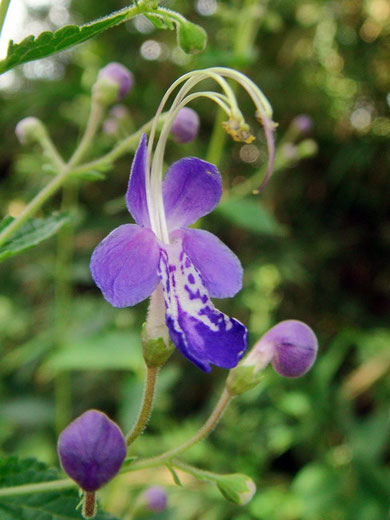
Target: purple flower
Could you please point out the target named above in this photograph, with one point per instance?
(132, 260)
(120, 75)
(155, 499)
(290, 345)
(91, 450)
(186, 125)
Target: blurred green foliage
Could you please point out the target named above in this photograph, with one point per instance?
(314, 246)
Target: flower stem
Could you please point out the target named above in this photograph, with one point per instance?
(40, 487)
(206, 429)
(146, 407)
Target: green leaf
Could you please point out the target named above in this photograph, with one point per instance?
(51, 505)
(48, 43)
(110, 350)
(175, 476)
(250, 215)
(32, 233)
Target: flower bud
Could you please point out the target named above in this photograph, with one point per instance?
(30, 130)
(291, 346)
(191, 37)
(155, 499)
(186, 125)
(237, 488)
(307, 148)
(302, 124)
(114, 81)
(91, 450)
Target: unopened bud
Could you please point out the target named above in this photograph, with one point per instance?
(30, 130)
(186, 125)
(91, 450)
(291, 346)
(307, 148)
(114, 81)
(191, 37)
(302, 124)
(237, 488)
(155, 499)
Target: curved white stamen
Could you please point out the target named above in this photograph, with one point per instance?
(227, 102)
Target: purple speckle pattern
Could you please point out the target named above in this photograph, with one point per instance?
(200, 332)
(118, 73)
(155, 499)
(91, 450)
(186, 125)
(294, 345)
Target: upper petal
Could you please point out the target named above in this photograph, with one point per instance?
(191, 188)
(136, 192)
(124, 265)
(200, 332)
(220, 268)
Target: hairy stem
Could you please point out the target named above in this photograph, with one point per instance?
(206, 429)
(146, 407)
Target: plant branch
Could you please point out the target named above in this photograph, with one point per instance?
(146, 407)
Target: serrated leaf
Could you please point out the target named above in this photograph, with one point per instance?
(48, 43)
(32, 233)
(51, 505)
(250, 215)
(175, 476)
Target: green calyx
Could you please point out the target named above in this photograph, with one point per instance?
(191, 37)
(155, 351)
(243, 378)
(237, 488)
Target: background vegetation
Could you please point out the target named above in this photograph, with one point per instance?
(314, 246)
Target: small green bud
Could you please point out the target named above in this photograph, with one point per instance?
(237, 488)
(155, 351)
(30, 130)
(191, 37)
(105, 91)
(243, 378)
(307, 148)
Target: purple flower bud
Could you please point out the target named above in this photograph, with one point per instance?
(91, 450)
(292, 345)
(119, 112)
(119, 74)
(303, 123)
(186, 125)
(30, 130)
(155, 498)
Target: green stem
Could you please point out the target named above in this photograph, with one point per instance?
(128, 144)
(206, 429)
(146, 407)
(63, 289)
(164, 458)
(95, 117)
(245, 35)
(41, 487)
(3, 12)
(196, 472)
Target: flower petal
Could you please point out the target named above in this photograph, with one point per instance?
(124, 265)
(191, 188)
(200, 332)
(220, 268)
(136, 191)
